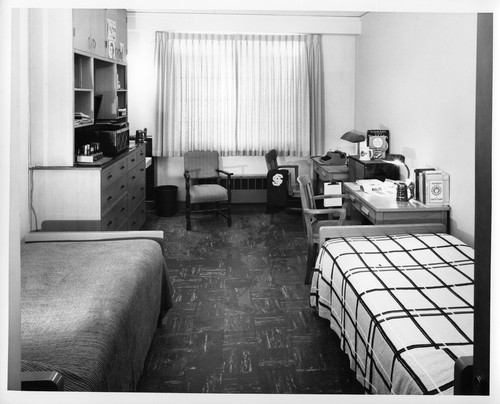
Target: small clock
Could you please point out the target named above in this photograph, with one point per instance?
(378, 141)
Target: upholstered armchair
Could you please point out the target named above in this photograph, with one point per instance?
(204, 185)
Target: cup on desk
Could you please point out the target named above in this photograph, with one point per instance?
(365, 153)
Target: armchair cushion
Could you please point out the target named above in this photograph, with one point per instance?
(208, 193)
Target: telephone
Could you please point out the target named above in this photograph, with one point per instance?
(334, 158)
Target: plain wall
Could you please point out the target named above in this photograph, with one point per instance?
(416, 76)
(339, 58)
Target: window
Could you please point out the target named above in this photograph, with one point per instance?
(241, 95)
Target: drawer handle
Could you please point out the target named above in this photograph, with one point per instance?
(133, 198)
(110, 197)
(122, 167)
(110, 176)
(142, 169)
(142, 188)
(109, 223)
(123, 186)
(133, 160)
(133, 177)
(122, 209)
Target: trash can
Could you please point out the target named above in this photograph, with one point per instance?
(166, 200)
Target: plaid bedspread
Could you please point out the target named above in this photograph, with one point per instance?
(402, 306)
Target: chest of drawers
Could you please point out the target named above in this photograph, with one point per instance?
(112, 197)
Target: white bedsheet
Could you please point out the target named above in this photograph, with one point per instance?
(402, 306)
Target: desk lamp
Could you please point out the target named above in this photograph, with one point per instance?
(354, 136)
(399, 160)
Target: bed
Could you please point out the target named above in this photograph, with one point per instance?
(400, 298)
(90, 306)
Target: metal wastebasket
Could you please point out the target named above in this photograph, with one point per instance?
(166, 200)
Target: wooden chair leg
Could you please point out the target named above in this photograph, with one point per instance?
(188, 217)
(311, 256)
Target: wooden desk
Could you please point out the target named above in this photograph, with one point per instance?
(327, 173)
(386, 210)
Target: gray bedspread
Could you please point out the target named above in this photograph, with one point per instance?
(90, 309)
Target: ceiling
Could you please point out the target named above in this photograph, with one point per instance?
(354, 14)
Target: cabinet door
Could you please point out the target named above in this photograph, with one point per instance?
(89, 31)
(98, 26)
(82, 37)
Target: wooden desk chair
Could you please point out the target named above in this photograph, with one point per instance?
(315, 218)
(204, 185)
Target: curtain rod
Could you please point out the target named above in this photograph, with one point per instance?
(240, 33)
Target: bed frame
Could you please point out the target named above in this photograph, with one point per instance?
(92, 235)
(328, 232)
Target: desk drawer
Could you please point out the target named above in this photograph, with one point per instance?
(366, 211)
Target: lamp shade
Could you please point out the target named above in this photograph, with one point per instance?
(397, 159)
(353, 136)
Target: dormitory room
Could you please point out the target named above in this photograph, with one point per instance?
(213, 202)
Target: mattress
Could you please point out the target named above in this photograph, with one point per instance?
(89, 310)
(402, 306)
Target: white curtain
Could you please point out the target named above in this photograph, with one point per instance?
(236, 94)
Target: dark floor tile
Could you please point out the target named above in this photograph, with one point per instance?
(272, 337)
(241, 321)
(244, 383)
(319, 382)
(203, 381)
(238, 320)
(281, 381)
(240, 359)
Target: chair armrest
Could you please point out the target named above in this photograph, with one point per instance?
(319, 197)
(42, 381)
(224, 172)
(326, 211)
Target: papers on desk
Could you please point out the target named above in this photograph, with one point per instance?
(377, 187)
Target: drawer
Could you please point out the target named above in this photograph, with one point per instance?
(366, 211)
(136, 175)
(112, 193)
(138, 217)
(114, 218)
(141, 153)
(113, 173)
(135, 194)
(132, 158)
(136, 184)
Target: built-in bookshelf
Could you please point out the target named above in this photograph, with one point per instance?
(84, 89)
